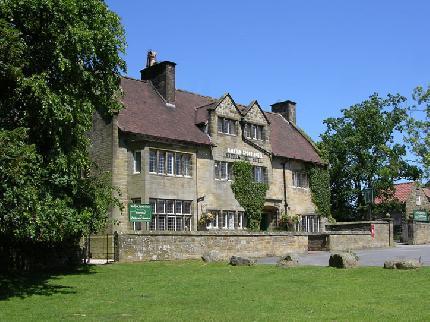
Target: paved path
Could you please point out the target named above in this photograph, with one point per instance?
(368, 257)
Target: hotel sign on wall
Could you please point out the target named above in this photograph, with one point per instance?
(239, 154)
(139, 212)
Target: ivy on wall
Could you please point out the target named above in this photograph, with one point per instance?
(250, 194)
(319, 183)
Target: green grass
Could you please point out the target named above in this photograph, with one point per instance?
(194, 291)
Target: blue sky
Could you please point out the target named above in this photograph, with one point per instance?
(325, 55)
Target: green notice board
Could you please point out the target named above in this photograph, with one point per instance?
(420, 215)
(139, 212)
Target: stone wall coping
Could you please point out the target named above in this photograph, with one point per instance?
(384, 222)
(217, 233)
(348, 232)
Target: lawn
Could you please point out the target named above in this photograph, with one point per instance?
(195, 291)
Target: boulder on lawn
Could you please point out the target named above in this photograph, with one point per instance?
(343, 260)
(289, 260)
(212, 256)
(402, 264)
(241, 261)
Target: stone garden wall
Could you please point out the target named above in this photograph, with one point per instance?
(192, 245)
(357, 235)
(419, 233)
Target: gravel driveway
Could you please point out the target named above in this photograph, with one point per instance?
(368, 257)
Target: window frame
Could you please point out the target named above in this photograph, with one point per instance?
(137, 161)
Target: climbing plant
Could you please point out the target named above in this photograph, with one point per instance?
(319, 182)
(250, 194)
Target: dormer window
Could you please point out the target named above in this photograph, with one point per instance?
(226, 126)
(254, 131)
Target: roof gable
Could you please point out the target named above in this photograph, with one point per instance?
(254, 112)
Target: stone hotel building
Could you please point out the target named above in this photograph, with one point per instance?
(174, 150)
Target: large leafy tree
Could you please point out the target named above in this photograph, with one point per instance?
(59, 62)
(362, 152)
(419, 128)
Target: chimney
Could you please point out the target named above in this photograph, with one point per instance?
(287, 109)
(162, 76)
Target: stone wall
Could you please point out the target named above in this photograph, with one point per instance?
(192, 245)
(348, 236)
(419, 233)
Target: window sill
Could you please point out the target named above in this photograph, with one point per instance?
(228, 134)
(170, 175)
(301, 188)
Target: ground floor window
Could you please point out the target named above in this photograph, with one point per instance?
(227, 219)
(170, 214)
(309, 223)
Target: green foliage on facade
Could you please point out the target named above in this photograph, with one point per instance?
(362, 152)
(60, 62)
(319, 183)
(250, 194)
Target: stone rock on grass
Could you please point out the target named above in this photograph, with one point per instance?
(241, 261)
(212, 256)
(289, 260)
(343, 260)
(402, 264)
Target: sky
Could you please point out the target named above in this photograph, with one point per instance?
(324, 55)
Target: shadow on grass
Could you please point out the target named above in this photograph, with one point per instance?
(40, 283)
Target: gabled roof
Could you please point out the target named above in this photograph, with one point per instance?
(401, 192)
(146, 113)
(288, 142)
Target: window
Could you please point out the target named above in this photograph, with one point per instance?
(186, 165)
(153, 161)
(169, 214)
(253, 131)
(223, 170)
(170, 206)
(137, 161)
(418, 201)
(300, 179)
(178, 167)
(240, 219)
(136, 225)
(228, 219)
(161, 159)
(260, 174)
(213, 223)
(226, 126)
(170, 163)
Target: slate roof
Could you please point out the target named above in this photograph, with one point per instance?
(146, 113)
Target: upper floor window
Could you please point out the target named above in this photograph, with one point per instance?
(137, 162)
(260, 174)
(254, 131)
(300, 179)
(226, 126)
(223, 170)
(170, 163)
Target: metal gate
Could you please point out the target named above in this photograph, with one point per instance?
(101, 247)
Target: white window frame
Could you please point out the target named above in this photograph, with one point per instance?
(137, 162)
(153, 161)
(170, 161)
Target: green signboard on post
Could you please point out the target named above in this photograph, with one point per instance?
(368, 195)
(139, 212)
(420, 215)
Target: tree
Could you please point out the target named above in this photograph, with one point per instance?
(362, 152)
(419, 128)
(59, 63)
